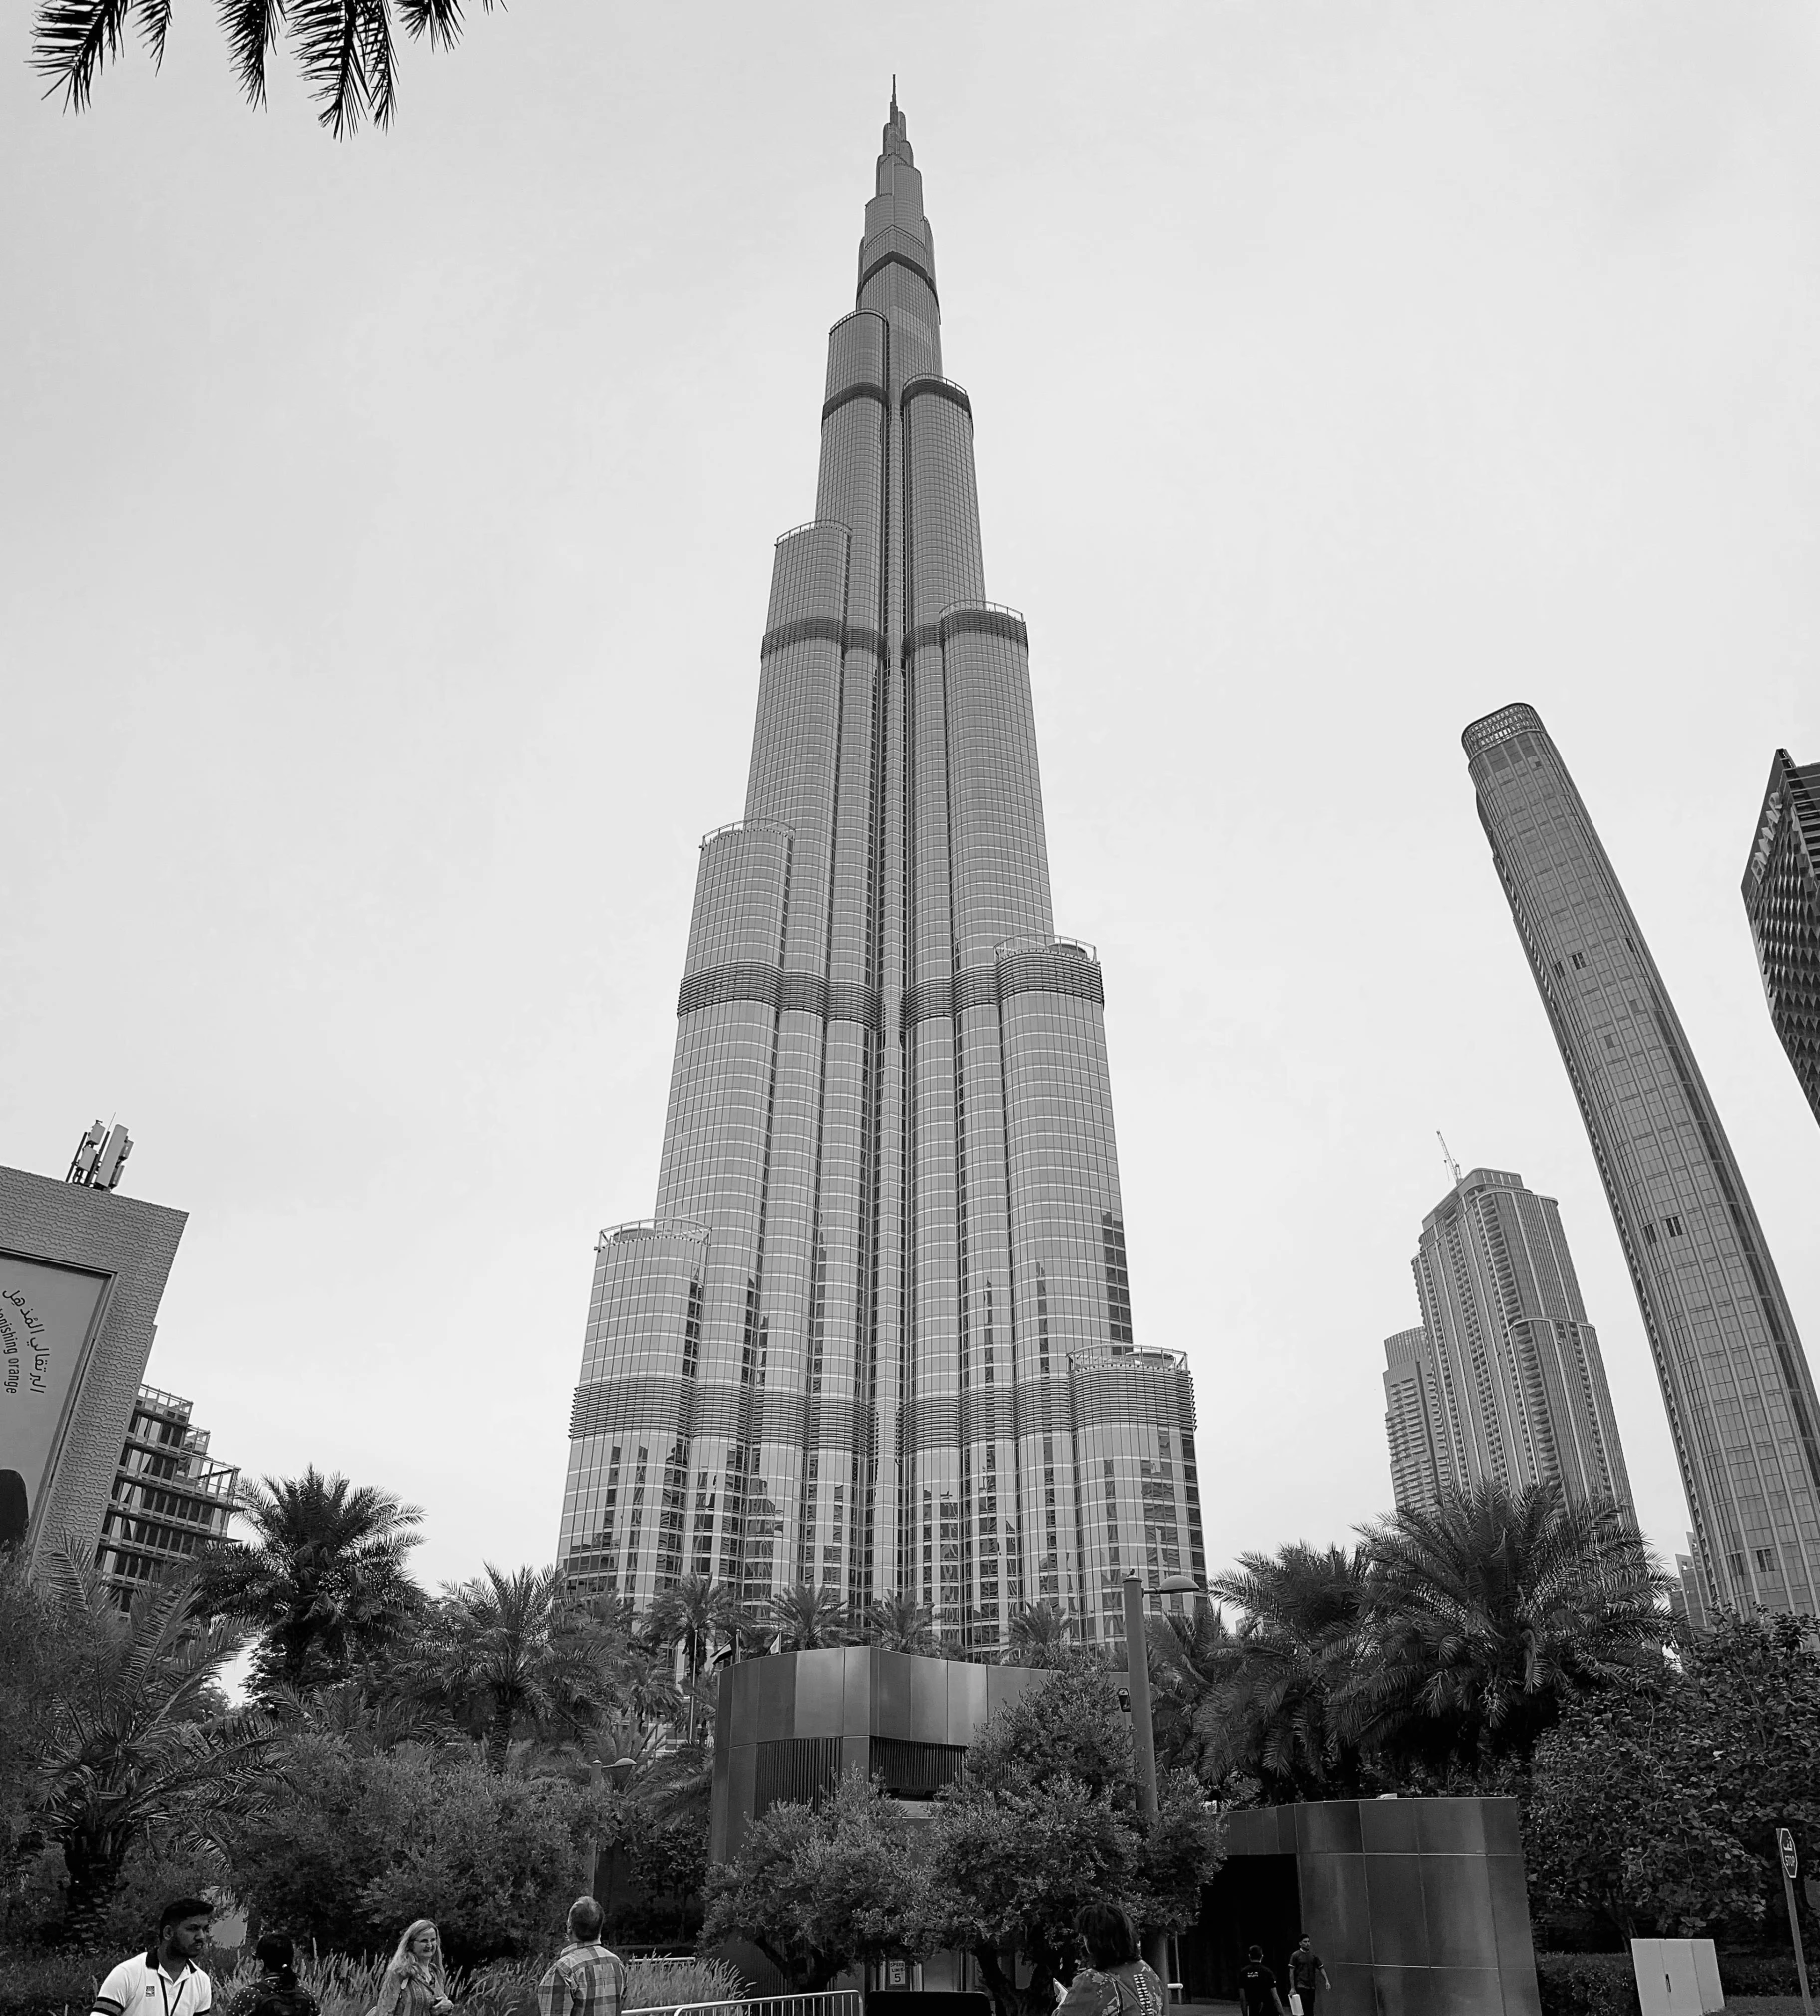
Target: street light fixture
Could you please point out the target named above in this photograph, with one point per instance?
(1143, 1732)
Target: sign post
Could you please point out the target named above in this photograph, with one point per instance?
(1791, 1868)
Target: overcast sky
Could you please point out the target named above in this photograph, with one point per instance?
(385, 532)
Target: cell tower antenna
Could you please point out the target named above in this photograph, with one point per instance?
(1448, 1157)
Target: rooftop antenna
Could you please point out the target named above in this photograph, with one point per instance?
(1447, 1157)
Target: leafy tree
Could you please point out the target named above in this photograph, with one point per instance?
(1483, 1616)
(349, 1845)
(805, 1618)
(323, 1580)
(1041, 1634)
(821, 1889)
(1267, 1706)
(139, 1743)
(1655, 1803)
(898, 1622)
(345, 48)
(504, 1657)
(1047, 1820)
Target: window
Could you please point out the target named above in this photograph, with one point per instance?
(1560, 972)
(1611, 1041)
(1675, 1227)
(1578, 961)
(1649, 1233)
(1766, 1560)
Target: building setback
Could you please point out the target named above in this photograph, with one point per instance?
(1782, 902)
(171, 1497)
(1734, 1375)
(1503, 1382)
(878, 1335)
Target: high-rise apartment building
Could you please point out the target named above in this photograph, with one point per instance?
(1734, 1378)
(1782, 900)
(171, 1497)
(878, 1334)
(1503, 1382)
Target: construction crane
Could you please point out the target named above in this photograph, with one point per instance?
(1447, 1157)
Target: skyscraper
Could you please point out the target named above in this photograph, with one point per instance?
(879, 1334)
(1734, 1378)
(1503, 1382)
(1782, 900)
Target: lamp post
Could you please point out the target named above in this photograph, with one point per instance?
(1144, 1731)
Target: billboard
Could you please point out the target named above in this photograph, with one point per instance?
(47, 1320)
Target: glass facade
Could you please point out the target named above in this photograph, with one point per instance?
(1503, 1382)
(878, 1335)
(1734, 1378)
(1782, 900)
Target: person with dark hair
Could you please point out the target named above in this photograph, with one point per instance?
(1307, 1977)
(1115, 1981)
(278, 1992)
(585, 1979)
(164, 1979)
(1257, 1987)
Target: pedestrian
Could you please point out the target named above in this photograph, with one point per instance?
(164, 1979)
(585, 1979)
(1116, 1981)
(277, 1991)
(1307, 1977)
(1257, 1987)
(415, 1984)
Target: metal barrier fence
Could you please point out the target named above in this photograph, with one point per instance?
(831, 2002)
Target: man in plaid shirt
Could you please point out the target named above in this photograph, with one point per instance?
(585, 1979)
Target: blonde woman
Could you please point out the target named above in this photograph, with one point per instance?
(415, 1984)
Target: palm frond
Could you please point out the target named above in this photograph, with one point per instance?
(251, 30)
(338, 43)
(72, 39)
(440, 20)
(154, 26)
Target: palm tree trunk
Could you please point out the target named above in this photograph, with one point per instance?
(499, 1734)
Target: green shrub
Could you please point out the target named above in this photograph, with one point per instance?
(1758, 1974)
(45, 1984)
(1586, 1984)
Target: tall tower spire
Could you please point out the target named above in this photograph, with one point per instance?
(878, 1335)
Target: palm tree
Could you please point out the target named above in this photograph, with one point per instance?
(1269, 1713)
(323, 1578)
(139, 1739)
(1190, 1656)
(806, 1618)
(694, 1613)
(899, 1623)
(343, 47)
(1041, 1634)
(1483, 1613)
(504, 1656)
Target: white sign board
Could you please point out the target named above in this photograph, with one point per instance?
(47, 1314)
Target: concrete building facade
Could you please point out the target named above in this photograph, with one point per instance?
(82, 1270)
(1734, 1375)
(1503, 1383)
(878, 1334)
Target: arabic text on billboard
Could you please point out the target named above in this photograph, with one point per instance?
(45, 1314)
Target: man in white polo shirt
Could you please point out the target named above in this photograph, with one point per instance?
(165, 1981)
